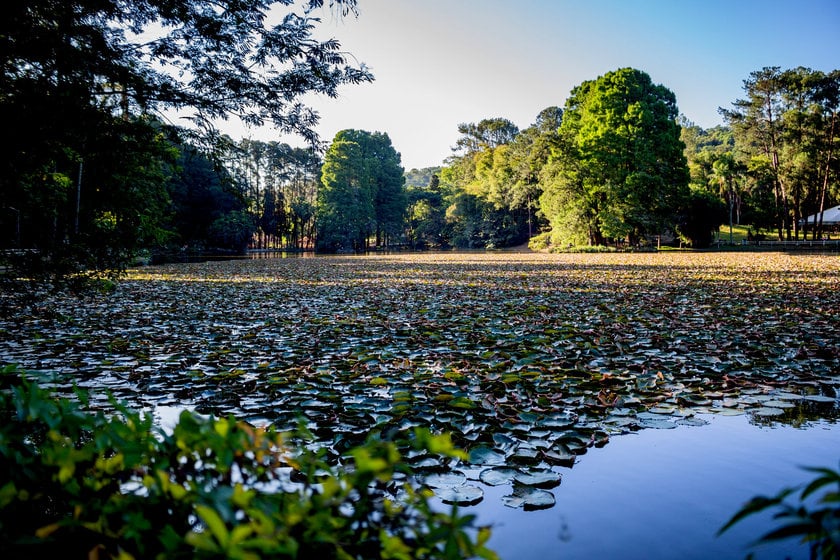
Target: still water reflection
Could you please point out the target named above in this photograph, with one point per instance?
(662, 494)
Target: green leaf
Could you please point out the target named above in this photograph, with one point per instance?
(483, 455)
(544, 479)
(498, 476)
(215, 524)
(800, 529)
(445, 480)
(240, 533)
(462, 402)
(828, 477)
(755, 505)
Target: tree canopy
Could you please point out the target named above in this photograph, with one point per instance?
(362, 192)
(98, 170)
(619, 171)
(214, 60)
(786, 131)
(87, 85)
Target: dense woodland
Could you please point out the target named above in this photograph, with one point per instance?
(98, 174)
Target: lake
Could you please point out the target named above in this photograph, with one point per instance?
(661, 390)
(662, 494)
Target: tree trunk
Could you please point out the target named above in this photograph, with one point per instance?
(826, 173)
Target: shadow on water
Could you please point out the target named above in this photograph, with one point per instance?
(191, 257)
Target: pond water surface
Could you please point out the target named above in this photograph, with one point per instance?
(662, 391)
(664, 494)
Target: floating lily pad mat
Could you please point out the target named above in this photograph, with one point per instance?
(527, 359)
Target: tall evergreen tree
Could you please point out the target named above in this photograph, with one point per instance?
(362, 193)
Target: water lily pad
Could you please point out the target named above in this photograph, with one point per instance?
(561, 421)
(789, 396)
(426, 463)
(658, 424)
(498, 476)
(768, 411)
(486, 456)
(540, 478)
(729, 411)
(779, 404)
(504, 441)
(461, 495)
(529, 498)
(561, 457)
(692, 421)
(462, 402)
(525, 454)
(450, 479)
(820, 398)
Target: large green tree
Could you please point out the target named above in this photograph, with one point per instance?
(85, 85)
(362, 193)
(619, 172)
(426, 212)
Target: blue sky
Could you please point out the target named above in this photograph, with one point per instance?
(442, 62)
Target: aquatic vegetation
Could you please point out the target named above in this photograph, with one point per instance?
(525, 360)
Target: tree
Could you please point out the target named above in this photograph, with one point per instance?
(344, 210)
(620, 165)
(487, 133)
(280, 184)
(215, 60)
(88, 83)
(362, 194)
(530, 152)
(422, 178)
(201, 193)
(701, 217)
(80, 215)
(231, 231)
(426, 214)
(493, 184)
(826, 97)
(786, 125)
(756, 120)
(725, 170)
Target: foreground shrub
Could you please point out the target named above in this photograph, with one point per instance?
(79, 484)
(818, 528)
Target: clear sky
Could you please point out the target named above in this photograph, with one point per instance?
(439, 63)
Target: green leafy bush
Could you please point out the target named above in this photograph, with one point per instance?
(75, 484)
(818, 528)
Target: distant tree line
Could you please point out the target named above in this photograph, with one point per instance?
(97, 172)
(781, 164)
(619, 165)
